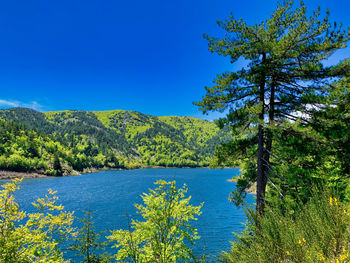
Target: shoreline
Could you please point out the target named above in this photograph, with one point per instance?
(6, 175)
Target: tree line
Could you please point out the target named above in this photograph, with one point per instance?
(78, 141)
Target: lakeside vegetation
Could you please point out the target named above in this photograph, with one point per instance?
(67, 142)
(165, 233)
(289, 118)
(315, 232)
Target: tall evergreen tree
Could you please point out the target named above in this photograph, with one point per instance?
(285, 75)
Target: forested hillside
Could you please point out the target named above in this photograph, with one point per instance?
(58, 143)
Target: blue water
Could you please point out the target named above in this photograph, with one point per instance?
(113, 193)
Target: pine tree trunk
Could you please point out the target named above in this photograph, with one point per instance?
(269, 133)
(261, 178)
(261, 181)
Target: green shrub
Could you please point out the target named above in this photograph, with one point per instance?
(318, 232)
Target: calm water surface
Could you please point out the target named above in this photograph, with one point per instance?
(113, 193)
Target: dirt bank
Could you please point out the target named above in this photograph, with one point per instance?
(12, 175)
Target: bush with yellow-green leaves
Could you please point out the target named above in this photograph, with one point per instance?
(319, 231)
(32, 237)
(165, 233)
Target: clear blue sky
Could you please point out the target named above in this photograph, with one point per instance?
(147, 56)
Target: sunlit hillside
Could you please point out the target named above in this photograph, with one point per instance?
(105, 139)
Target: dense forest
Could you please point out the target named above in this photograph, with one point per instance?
(60, 143)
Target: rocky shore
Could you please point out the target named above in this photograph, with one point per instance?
(12, 175)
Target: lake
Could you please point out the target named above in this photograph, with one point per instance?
(113, 193)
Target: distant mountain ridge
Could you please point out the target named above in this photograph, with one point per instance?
(121, 139)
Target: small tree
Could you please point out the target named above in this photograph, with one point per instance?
(161, 237)
(32, 237)
(87, 241)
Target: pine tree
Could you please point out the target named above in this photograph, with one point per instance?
(87, 242)
(284, 77)
(57, 164)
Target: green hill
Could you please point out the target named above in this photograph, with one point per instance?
(106, 139)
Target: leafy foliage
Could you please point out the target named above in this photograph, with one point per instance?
(32, 237)
(163, 235)
(318, 232)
